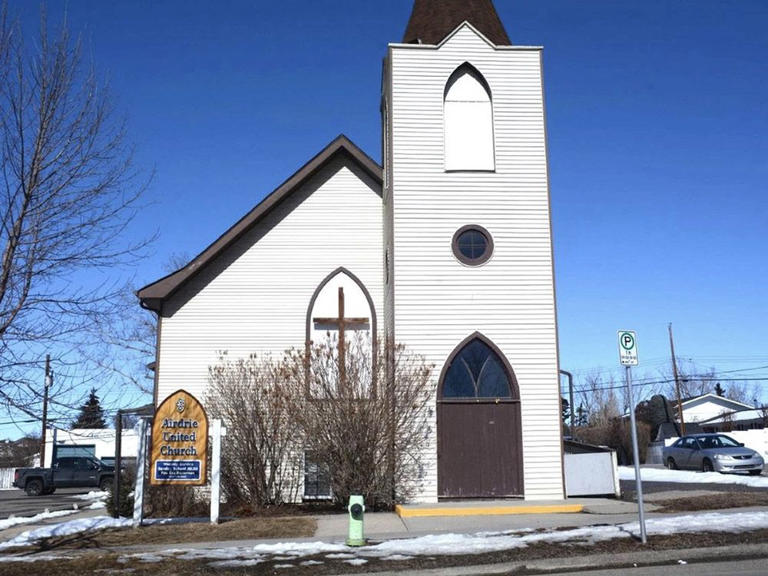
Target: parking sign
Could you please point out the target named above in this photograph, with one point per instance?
(627, 348)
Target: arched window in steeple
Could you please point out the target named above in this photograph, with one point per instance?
(468, 121)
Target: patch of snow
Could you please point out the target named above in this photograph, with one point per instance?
(311, 563)
(238, 563)
(357, 561)
(97, 505)
(93, 495)
(339, 556)
(396, 557)
(15, 521)
(283, 566)
(149, 558)
(66, 529)
(690, 477)
(32, 558)
(299, 548)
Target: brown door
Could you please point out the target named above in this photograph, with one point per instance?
(479, 452)
(479, 439)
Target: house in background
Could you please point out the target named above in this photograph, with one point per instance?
(754, 419)
(90, 442)
(709, 406)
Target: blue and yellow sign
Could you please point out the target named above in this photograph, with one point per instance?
(179, 441)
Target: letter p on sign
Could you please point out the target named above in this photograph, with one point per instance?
(627, 348)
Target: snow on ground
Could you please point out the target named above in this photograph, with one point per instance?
(461, 544)
(66, 529)
(93, 495)
(14, 521)
(690, 477)
(400, 549)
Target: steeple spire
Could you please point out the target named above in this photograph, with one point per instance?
(432, 20)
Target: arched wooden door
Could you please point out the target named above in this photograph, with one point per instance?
(479, 431)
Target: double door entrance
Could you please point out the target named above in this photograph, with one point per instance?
(479, 425)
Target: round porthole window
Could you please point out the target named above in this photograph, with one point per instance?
(472, 245)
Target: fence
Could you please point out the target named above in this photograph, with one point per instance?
(6, 478)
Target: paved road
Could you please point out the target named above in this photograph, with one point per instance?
(754, 567)
(16, 502)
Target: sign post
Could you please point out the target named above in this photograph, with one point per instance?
(628, 358)
(138, 492)
(179, 441)
(217, 431)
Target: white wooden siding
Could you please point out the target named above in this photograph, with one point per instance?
(255, 297)
(510, 299)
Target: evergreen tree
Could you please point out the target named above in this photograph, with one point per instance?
(91, 413)
(719, 390)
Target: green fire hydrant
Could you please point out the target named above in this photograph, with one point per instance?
(356, 510)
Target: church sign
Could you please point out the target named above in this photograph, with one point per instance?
(179, 441)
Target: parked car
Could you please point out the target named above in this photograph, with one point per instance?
(712, 452)
(67, 472)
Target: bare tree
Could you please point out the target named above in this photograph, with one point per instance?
(261, 459)
(744, 392)
(68, 193)
(367, 424)
(600, 399)
(127, 339)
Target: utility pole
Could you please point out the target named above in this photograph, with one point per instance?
(118, 462)
(572, 408)
(677, 382)
(48, 382)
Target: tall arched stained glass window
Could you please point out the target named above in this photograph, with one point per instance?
(477, 371)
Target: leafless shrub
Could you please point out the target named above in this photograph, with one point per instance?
(617, 434)
(173, 502)
(261, 459)
(364, 417)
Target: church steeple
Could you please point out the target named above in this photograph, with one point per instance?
(432, 20)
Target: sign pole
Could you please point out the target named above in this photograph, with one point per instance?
(216, 471)
(138, 493)
(636, 454)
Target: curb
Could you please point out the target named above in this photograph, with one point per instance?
(405, 512)
(593, 562)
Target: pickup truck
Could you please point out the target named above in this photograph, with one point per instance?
(67, 472)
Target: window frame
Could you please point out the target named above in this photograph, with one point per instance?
(309, 458)
(484, 257)
(514, 387)
(468, 68)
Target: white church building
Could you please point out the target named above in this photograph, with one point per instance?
(445, 247)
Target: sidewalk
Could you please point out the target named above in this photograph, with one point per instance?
(484, 516)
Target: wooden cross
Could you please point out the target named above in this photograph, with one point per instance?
(342, 323)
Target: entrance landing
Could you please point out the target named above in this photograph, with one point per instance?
(488, 508)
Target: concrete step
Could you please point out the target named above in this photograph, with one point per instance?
(488, 508)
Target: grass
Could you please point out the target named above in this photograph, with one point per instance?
(718, 501)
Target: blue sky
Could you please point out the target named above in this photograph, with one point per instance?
(657, 119)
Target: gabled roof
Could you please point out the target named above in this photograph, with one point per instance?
(715, 399)
(432, 20)
(736, 416)
(153, 295)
